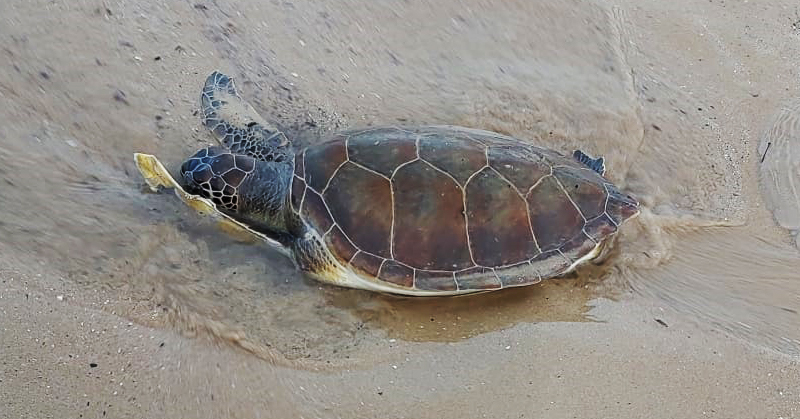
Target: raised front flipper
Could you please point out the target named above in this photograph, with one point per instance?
(237, 125)
(598, 164)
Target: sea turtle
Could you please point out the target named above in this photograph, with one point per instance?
(421, 211)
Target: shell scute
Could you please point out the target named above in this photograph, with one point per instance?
(589, 195)
(498, 221)
(518, 275)
(314, 208)
(397, 274)
(435, 281)
(577, 247)
(520, 165)
(367, 263)
(298, 189)
(382, 150)
(550, 263)
(554, 218)
(321, 163)
(438, 151)
(340, 245)
(477, 278)
(600, 227)
(429, 226)
(361, 204)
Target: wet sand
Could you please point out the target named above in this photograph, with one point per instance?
(117, 302)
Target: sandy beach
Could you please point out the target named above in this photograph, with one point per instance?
(117, 302)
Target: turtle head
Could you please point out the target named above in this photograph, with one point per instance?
(249, 190)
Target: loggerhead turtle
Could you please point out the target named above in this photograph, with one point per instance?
(422, 211)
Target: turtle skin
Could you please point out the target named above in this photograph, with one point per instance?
(448, 209)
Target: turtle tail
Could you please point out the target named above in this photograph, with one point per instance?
(237, 125)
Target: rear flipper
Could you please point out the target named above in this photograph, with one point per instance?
(598, 164)
(237, 125)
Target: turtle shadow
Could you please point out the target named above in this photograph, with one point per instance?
(451, 319)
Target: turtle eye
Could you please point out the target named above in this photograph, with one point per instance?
(202, 174)
(189, 165)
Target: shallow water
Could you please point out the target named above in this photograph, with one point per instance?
(74, 205)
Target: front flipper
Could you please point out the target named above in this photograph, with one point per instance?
(598, 164)
(237, 125)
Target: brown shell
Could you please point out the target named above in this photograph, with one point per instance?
(452, 209)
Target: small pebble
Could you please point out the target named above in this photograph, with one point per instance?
(120, 96)
(60, 297)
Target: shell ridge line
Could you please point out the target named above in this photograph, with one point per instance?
(380, 268)
(497, 277)
(344, 233)
(331, 227)
(302, 201)
(345, 236)
(333, 175)
(474, 174)
(563, 189)
(350, 262)
(564, 256)
(403, 165)
(364, 251)
(605, 206)
(527, 206)
(346, 148)
(361, 166)
(527, 194)
(535, 271)
(466, 218)
(441, 171)
(583, 230)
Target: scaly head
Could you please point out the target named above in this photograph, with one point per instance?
(251, 191)
(216, 174)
